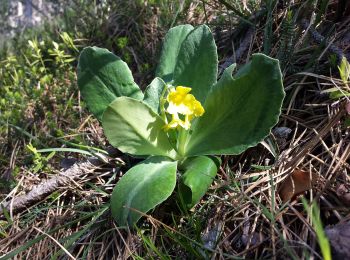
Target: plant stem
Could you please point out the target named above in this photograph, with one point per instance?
(181, 141)
(162, 103)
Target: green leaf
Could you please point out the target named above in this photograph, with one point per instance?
(199, 173)
(226, 75)
(197, 63)
(132, 127)
(239, 111)
(102, 77)
(189, 58)
(347, 122)
(142, 188)
(344, 70)
(314, 211)
(170, 51)
(339, 94)
(153, 93)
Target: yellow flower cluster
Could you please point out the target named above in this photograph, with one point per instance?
(183, 103)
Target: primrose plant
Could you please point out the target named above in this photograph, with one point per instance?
(183, 119)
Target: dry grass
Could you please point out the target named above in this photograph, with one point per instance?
(242, 216)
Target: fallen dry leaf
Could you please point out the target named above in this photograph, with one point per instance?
(295, 184)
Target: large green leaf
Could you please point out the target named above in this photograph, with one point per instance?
(189, 58)
(170, 51)
(132, 126)
(142, 188)
(102, 77)
(197, 62)
(199, 173)
(153, 93)
(239, 111)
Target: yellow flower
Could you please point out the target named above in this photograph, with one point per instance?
(180, 102)
(176, 123)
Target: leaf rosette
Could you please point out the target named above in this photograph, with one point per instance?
(184, 117)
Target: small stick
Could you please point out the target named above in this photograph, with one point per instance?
(45, 188)
(318, 38)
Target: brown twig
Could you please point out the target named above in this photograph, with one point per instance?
(318, 38)
(238, 54)
(45, 188)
